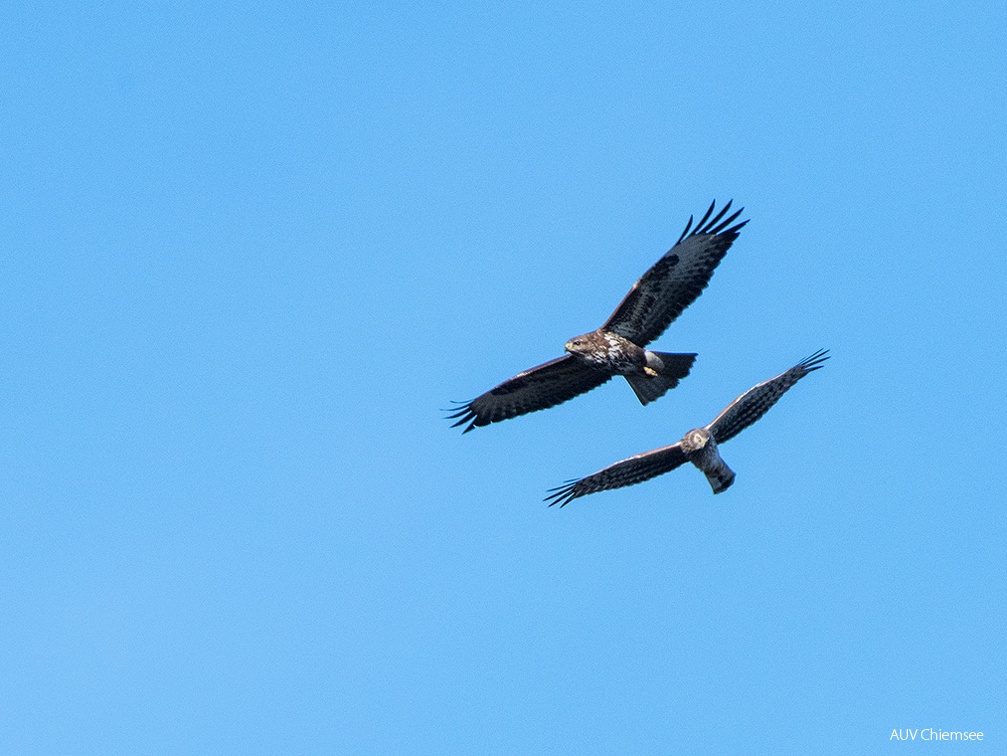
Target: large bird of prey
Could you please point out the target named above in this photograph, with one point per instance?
(617, 348)
(699, 445)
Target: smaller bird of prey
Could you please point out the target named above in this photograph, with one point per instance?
(699, 445)
(617, 348)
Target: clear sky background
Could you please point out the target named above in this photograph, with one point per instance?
(250, 253)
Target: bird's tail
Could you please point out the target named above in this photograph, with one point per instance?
(720, 478)
(668, 370)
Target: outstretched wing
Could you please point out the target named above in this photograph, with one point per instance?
(755, 402)
(541, 387)
(630, 471)
(674, 281)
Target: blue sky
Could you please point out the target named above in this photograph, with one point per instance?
(251, 252)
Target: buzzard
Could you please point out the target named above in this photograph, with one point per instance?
(617, 348)
(699, 446)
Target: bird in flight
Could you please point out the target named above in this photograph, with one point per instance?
(699, 445)
(618, 347)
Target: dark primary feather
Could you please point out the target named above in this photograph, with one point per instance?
(755, 402)
(676, 280)
(628, 472)
(541, 387)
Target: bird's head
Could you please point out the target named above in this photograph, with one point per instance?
(578, 345)
(695, 440)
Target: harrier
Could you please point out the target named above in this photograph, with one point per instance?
(617, 348)
(699, 446)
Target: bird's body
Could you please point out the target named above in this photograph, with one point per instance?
(699, 446)
(619, 346)
(650, 374)
(608, 351)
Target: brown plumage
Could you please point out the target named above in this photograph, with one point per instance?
(618, 347)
